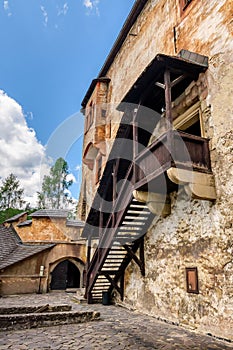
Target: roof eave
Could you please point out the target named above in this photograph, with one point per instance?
(92, 87)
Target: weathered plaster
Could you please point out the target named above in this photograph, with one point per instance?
(197, 233)
(48, 230)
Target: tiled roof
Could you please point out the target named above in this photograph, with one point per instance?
(8, 241)
(25, 223)
(52, 213)
(16, 217)
(75, 223)
(12, 249)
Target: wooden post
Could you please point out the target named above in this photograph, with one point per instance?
(168, 103)
(167, 82)
(89, 298)
(122, 283)
(88, 251)
(114, 189)
(142, 257)
(100, 233)
(88, 261)
(135, 141)
(114, 183)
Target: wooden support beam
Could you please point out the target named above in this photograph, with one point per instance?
(135, 141)
(88, 251)
(138, 261)
(114, 174)
(88, 261)
(162, 86)
(100, 231)
(122, 285)
(89, 298)
(113, 283)
(114, 189)
(168, 103)
(177, 80)
(142, 257)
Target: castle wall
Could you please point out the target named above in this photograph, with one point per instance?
(197, 233)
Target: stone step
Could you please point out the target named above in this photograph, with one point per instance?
(35, 320)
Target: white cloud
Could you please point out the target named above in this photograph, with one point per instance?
(20, 151)
(45, 15)
(71, 177)
(92, 5)
(78, 167)
(6, 7)
(29, 115)
(88, 4)
(63, 11)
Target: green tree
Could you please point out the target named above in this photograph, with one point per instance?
(11, 193)
(54, 193)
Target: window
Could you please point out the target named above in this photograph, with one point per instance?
(191, 121)
(89, 116)
(103, 113)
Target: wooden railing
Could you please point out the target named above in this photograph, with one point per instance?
(190, 148)
(182, 150)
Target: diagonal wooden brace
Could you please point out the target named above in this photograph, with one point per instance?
(113, 283)
(140, 262)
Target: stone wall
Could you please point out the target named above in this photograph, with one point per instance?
(197, 233)
(48, 230)
(204, 27)
(23, 277)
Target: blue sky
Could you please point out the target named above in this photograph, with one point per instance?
(50, 52)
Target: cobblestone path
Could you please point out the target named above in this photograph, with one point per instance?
(118, 329)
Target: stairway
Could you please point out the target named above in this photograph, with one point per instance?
(128, 238)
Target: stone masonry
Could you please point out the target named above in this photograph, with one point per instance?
(197, 233)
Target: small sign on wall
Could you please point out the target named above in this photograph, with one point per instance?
(192, 280)
(41, 271)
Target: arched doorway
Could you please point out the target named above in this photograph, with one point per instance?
(65, 275)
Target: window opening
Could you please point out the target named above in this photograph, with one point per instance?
(90, 116)
(191, 121)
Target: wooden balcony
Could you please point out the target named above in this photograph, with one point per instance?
(172, 149)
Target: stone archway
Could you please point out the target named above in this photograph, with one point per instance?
(65, 275)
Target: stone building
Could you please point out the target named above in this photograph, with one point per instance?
(16, 220)
(43, 254)
(158, 168)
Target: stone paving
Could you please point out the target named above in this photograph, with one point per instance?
(118, 329)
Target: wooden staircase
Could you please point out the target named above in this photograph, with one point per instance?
(112, 261)
(116, 219)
